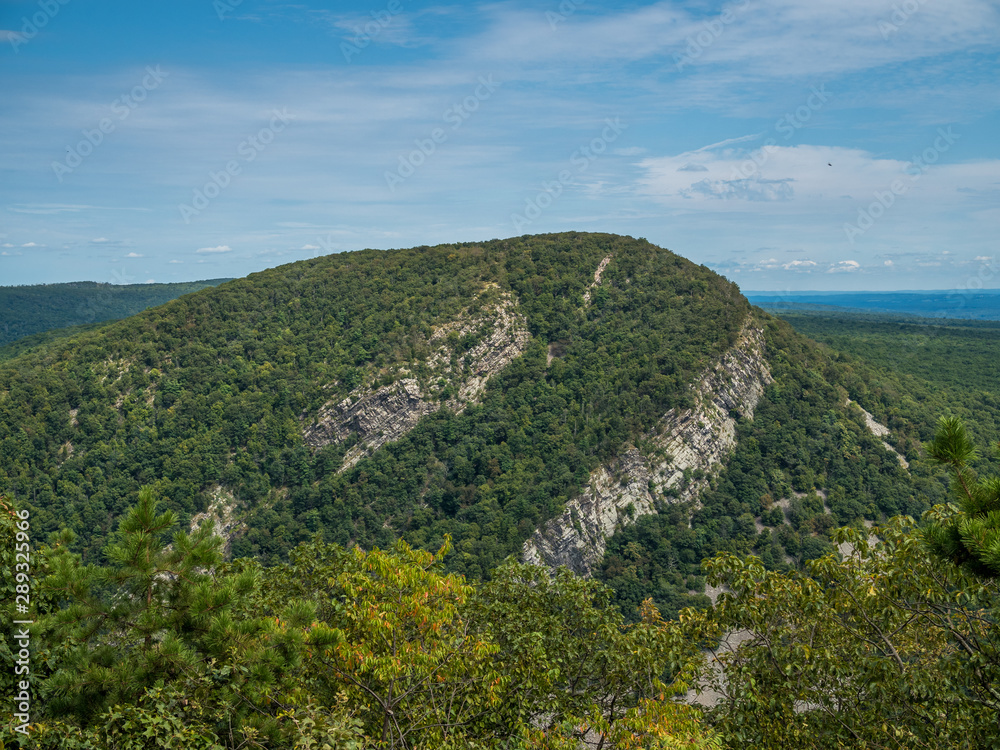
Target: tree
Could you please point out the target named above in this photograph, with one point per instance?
(427, 661)
(383, 631)
(968, 531)
(155, 615)
(888, 648)
(574, 672)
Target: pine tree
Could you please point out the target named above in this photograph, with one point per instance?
(151, 615)
(968, 531)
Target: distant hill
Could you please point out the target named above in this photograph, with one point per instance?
(27, 310)
(983, 304)
(39, 340)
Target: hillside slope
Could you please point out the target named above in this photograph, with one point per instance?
(28, 310)
(580, 399)
(462, 389)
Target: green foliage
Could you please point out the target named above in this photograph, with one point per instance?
(157, 631)
(804, 440)
(27, 310)
(128, 618)
(908, 371)
(967, 533)
(396, 646)
(343, 649)
(209, 395)
(566, 654)
(953, 354)
(888, 647)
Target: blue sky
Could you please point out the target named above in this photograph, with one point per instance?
(788, 144)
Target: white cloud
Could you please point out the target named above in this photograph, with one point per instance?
(802, 265)
(738, 180)
(844, 266)
(396, 29)
(218, 249)
(310, 247)
(59, 208)
(135, 255)
(175, 261)
(782, 38)
(32, 244)
(98, 240)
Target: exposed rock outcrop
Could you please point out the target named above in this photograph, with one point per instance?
(687, 446)
(880, 431)
(221, 514)
(382, 415)
(597, 279)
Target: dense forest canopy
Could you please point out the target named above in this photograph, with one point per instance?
(207, 398)
(208, 395)
(891, 643)
(28, 310)
(369, 597)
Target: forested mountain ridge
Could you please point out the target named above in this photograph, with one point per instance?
(33, 309)
(684, 441)
(484, 391)
(576, 398)
(216, 394)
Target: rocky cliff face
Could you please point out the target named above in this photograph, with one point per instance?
(223, 515)
(447, 379)
(687, 446)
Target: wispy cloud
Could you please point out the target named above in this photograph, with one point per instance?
(806, 177)
(59, 208)
(321, 185)
(844, 266)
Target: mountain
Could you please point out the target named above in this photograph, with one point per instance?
(582, 399)
(28, 310)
